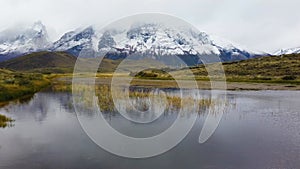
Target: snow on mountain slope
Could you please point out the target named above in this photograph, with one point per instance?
(31, 39)
(151, 39)
(148, 39)
(74, 41)
(155, 39)
(287, 51)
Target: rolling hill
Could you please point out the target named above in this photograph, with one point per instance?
(63, 62)
(269, 69)
(264, 69)
(56, 62)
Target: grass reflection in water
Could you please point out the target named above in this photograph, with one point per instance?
(5, 121)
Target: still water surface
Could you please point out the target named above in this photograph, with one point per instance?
(260, 130)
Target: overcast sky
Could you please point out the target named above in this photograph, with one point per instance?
(265, 25)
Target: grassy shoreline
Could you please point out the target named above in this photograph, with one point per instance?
(15, 85)
(64, 84)
(265, 73)
(32, 73)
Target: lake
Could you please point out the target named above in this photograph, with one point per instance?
(259, 130)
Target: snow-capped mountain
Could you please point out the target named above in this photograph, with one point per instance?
(153, 40)
(19, 42)
(74, 41)
(287, 51)
(149, 39)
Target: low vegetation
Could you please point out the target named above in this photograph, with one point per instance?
(154, 74)
(39, 69)
(139, 98)
(270, 69)
(15, 85)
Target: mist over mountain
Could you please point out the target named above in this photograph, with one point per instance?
(23, 41)
(148, 39)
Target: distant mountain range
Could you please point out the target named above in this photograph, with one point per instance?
(149, 39)
(288, 51)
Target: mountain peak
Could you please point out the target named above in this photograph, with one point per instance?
(74, 41)
(27, 40)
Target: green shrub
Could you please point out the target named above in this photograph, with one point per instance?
(262, 78)
(24, 82)
(9, 81)
(289, 77)
(147, 74)
(2, 88)
(35, 76)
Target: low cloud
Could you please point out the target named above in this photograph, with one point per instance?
(262, 25)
